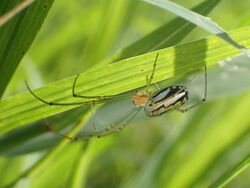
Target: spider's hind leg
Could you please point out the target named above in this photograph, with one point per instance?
(202, 100)
(50, 129)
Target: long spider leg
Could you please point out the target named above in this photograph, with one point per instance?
(92, 113)
(201, 101)
(157, 86)
(121, 119)
(113, 128)
(118, 126)
(82, 96)
(74, 94)
(128, 117)
(149, 80)
(53, 103)
(49, 128)
(94, 99)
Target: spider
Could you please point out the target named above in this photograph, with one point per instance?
(154, 103)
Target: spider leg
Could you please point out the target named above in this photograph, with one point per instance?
(115, 127)
(92, 114)
(121, 123)
(183, 110)
(157, 86)
(201, 101)
(52, 103)
(50, 129)
(92, 98)
(149, 79)
(74, 94)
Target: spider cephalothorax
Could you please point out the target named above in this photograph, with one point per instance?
(141, 98)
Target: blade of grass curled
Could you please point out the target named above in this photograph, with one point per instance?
(201, 21)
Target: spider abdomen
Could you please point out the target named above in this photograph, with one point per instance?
(166, 100)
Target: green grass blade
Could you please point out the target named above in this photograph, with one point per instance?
(166, 35)
(231, 174)
(197, 19)
(79, 175)
(57, 152)
(11, 167)
(17, 35)
(29, 138)
(239, 142)
(13, 12)
(146, 176)
(209, 142)
(113, 19)
(119, 77)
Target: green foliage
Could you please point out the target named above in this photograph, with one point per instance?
(17, 35)
(207, 147)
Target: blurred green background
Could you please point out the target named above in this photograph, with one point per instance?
(196, 149)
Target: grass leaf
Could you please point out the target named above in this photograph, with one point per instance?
(17, 35)
(166, 35)
(118, 78)
(197, 19)
(232, 173)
